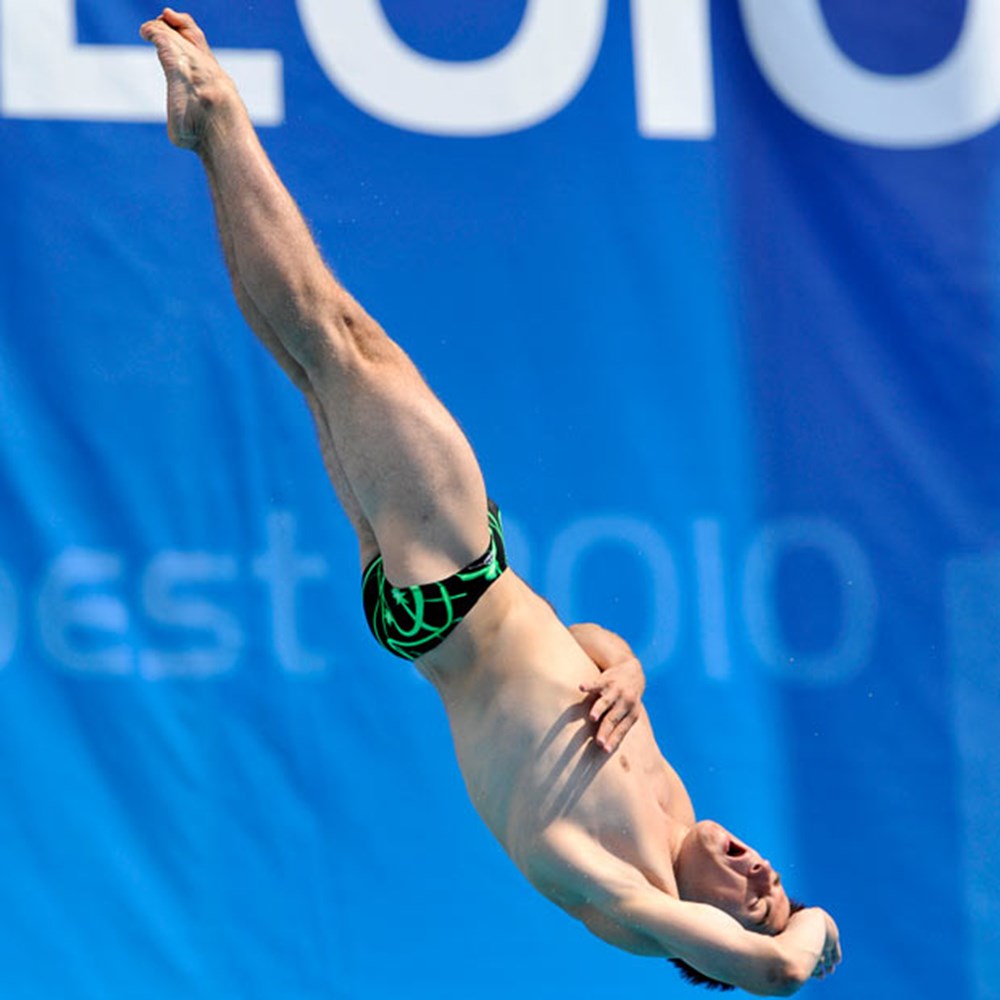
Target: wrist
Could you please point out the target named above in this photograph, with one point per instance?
(801, 942)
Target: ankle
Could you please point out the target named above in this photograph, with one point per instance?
(223, 116)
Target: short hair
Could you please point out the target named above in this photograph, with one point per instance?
(691, 975)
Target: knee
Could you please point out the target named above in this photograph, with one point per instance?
(349, 342)
(362, 338)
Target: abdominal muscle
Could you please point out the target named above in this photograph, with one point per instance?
(571, 816)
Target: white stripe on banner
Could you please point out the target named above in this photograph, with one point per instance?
(45, 73)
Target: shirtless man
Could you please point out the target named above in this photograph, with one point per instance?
(557, 753)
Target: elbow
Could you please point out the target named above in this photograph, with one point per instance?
(786, 988)
(776, 977)
(785, 979)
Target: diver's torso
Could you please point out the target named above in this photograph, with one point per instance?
(510, 679)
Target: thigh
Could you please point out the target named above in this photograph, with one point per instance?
(408, 464)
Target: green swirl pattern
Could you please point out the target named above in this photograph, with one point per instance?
(411, 621)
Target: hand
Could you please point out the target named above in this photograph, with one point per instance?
(618, 703)
(832, 955)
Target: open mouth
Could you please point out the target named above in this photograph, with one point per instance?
(734, 849)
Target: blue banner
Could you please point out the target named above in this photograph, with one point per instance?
(712, 288)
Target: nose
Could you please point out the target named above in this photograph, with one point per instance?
(759, 869)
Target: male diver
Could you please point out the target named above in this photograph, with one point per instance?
(556, 750)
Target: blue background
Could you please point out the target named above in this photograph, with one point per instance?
(738, 400)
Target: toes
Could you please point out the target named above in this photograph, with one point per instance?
(153, 31)
(181, 21)
(148, 30)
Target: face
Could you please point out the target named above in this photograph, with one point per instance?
(715, 867)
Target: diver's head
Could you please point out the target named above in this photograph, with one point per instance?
(715, 867)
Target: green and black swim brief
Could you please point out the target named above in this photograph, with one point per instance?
(411, 621)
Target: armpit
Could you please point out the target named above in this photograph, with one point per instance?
(576, 872)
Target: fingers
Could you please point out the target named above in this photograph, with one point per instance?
(606, 700)
(827, 963)
(601, 705)
(824, 969)
(613, 729)
(613, 710)
(607, 686)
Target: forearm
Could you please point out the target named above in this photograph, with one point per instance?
(719, 947)
(607, 649)
(780, 965)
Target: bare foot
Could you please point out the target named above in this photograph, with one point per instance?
(196, 84)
